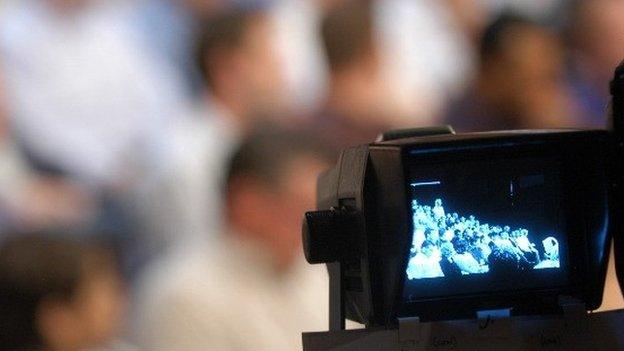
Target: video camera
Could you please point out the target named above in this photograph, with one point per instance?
(429, 224)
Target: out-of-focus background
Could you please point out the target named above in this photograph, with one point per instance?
(156, 156)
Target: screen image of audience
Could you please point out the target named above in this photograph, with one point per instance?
(449, 245)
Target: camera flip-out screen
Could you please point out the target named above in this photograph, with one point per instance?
(485, 224)
(443, 226)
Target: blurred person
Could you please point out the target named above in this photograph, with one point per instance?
(520, 83)
(236, 58)
(539, 9)
(299, 45)
(596, 37)
(428, 53)
(251, 289)
(86, 109)
(169, 29)
(356, 109)
(238, 61)
(30, 200)
(424, 48)
(57, 293)
(470, 18)
(84, 100)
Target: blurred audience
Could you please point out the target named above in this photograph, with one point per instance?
(57, 293)
(240, 67)
(596, 35)
(520, 83)
(428, 53)
(242, 84)
(538, 9)
(83, 99)
(29, 200)
(250, 289)
(298, 45)
(423, 49)
(169, 28)
(356, 108)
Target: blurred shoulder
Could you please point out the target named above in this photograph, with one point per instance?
(181, 297)
(183, 270)
(201, 131)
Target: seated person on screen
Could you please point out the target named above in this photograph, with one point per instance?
(551, 254)
(426, 263)
(447, 263)
(465, 260)
(438, 210)
(503, 262)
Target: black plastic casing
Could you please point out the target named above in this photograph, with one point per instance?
(616, 114)
(371, 181)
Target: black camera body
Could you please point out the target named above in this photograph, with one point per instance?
(439, 226)
(616, 112)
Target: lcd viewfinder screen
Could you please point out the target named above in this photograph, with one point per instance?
(485, 225)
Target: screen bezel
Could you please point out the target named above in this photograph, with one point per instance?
(516, 298)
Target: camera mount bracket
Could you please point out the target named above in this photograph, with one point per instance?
(571, 331)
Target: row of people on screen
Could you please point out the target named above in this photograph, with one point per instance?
(447, 244)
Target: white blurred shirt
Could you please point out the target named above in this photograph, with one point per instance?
(467, 263)
(298, 42)
(427, 58)
(228, 298)
(181, 201)
(423, 266)
(82, 94)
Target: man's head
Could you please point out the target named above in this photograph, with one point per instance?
(271, 183)
(348, 35)
(433, 235)
(503, 262)
(522, 72)
(427, 248)
(239, 64)
(57, 294)
(203, 8)
(551, 248)
(357, 90)
(460, 246)
(447, 250)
